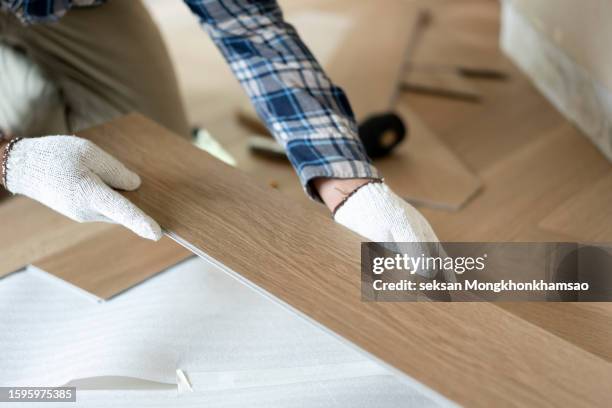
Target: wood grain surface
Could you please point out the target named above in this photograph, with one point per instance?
(588, 325)
(586, 215)
(369, 63)
(459, 36)
(31, 231)
(112, 261)
(475, 354)
(530, 160)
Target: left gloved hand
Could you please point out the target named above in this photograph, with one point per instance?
(375, 212)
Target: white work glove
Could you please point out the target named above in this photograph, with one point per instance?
(74, 177)
(378, 214)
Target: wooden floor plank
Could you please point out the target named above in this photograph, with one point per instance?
(586, 325)
(522, 189)
(499, 139)
(31, 231)
(381, 34)
(110, 262)
(312, 264)
(459, 34)
(587, 215)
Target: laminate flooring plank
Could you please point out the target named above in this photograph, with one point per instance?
(586, 325)
(475, 354)
(368, 64)
(110, 262)
(531, 161)
(512, 116)
(587, 215)
(31, 231)
(458, 35)
(523, 188)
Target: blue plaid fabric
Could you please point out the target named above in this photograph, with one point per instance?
(43, 11)
(302, 108)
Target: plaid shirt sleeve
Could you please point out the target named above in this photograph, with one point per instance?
(302, 108)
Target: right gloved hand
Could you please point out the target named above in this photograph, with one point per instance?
(74, 177)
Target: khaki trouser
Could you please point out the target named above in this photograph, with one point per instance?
(94, 65)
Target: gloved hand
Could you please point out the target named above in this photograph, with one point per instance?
(378, 214)
(74, 177)
(375, 212)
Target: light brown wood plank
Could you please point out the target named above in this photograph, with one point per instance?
(586, 325)
(475, 354)
(587, 215)
(529, 158)
(424, 170)
(459, 34)
(31, 231)
(522, 189)
(112, 261)
(526, 178)
(512, 116)
(369, 63)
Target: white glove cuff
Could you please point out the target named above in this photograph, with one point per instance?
(374, 211)
(378, 181)
(7, 152)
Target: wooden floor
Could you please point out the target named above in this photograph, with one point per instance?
(531, 160)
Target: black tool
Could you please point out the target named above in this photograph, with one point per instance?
(381, 133)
